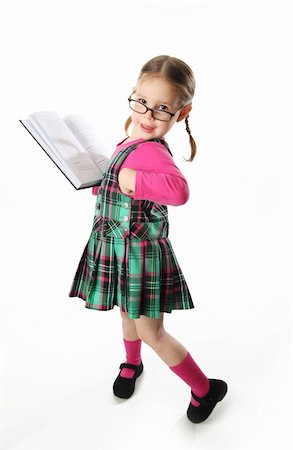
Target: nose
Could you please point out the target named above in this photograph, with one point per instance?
(149, 114)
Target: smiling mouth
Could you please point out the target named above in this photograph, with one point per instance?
(146, 128)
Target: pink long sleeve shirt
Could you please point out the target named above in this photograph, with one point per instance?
(158, 179)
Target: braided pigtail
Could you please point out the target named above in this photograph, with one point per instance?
(191, 141)
(127, 124)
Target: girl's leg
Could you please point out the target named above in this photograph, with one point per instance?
(152, 332)
(128, 327)
(132, 344)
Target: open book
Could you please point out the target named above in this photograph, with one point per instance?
(71, 144)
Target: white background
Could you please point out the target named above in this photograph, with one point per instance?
(231, 238)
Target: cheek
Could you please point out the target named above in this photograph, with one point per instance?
(166, 126)
(135, 118)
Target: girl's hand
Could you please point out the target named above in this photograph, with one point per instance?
(126, 179)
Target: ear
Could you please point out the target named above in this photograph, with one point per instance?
(184, 112)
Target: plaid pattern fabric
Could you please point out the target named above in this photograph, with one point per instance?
(128, 260)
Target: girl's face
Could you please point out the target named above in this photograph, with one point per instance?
(156, 93)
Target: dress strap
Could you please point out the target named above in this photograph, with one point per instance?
(161, 141)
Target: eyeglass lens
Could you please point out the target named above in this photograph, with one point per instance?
(142, 109)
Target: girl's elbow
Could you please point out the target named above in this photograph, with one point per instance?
(182, 197)
(185, 197)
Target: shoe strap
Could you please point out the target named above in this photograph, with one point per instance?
(203, 401)
(129, 366)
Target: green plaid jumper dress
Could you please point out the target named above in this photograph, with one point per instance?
(128, 260)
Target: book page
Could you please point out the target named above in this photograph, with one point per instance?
(42, 139)
(83, 167)
(56, 133)
(64, 149)
(85, 134)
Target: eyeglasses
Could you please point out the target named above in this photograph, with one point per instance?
(140, 108)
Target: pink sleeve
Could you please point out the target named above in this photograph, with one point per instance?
(158, 179)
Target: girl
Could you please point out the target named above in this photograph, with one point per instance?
(128, 260)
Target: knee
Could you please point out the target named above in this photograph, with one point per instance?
(151, 337)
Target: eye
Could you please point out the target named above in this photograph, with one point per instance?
(141, 100)
(162, 108)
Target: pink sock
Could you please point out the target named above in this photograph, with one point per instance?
(189, 371)
(133, 356)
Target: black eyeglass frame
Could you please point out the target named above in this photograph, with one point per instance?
(152, 109)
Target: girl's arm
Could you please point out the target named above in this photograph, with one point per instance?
(165, 189)
(127, 179)
(149, 173)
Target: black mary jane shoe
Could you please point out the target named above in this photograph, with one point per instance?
(218, 390)
(124, 387)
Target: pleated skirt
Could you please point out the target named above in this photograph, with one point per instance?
(142, 277)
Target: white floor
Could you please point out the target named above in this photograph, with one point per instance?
(58, 384)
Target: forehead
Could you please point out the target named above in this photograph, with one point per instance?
(157, 88)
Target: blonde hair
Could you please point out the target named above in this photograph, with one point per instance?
(181, 76)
